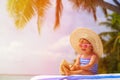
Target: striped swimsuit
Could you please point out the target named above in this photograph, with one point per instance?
(84, 61)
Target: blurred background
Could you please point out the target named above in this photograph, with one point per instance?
(34, 34)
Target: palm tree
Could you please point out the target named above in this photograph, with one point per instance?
(111, 41)
(23, 10)
(113, 22)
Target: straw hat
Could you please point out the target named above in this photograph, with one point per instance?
(89, 35)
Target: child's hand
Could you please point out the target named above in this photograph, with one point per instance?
(75, 67)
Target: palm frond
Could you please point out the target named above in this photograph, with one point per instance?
(59, 8)
(115, 43)
(108, 46)
(40, 7)
(89, 5)
(113, 22)
(21, 11)
(117, 3)
(94, 14)
(109, 40)
(111, 33)
(10, 5)
(116, 21)
(108, 24)
(105, 12)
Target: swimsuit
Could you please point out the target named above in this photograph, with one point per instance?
(84, 61)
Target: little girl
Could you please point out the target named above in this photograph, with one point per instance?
(89, 48)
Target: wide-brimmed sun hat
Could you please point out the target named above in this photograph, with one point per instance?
(89, 35)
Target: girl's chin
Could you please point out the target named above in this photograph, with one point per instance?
(83, 49)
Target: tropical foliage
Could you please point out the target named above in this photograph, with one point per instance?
(110, 63)
(23, 10)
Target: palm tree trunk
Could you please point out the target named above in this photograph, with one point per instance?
(109, 6)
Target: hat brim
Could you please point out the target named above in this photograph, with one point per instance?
(89, 35)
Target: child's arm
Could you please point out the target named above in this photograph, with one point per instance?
(76, 64)
(91, 63)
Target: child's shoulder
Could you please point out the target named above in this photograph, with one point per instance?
(78, 56)
(94, 56)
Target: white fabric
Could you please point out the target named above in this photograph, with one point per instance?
(100, 77)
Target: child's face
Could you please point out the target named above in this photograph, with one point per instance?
(85, 46)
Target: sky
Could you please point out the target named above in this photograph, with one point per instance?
(27, 52)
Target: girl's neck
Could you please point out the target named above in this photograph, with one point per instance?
(88, 54)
